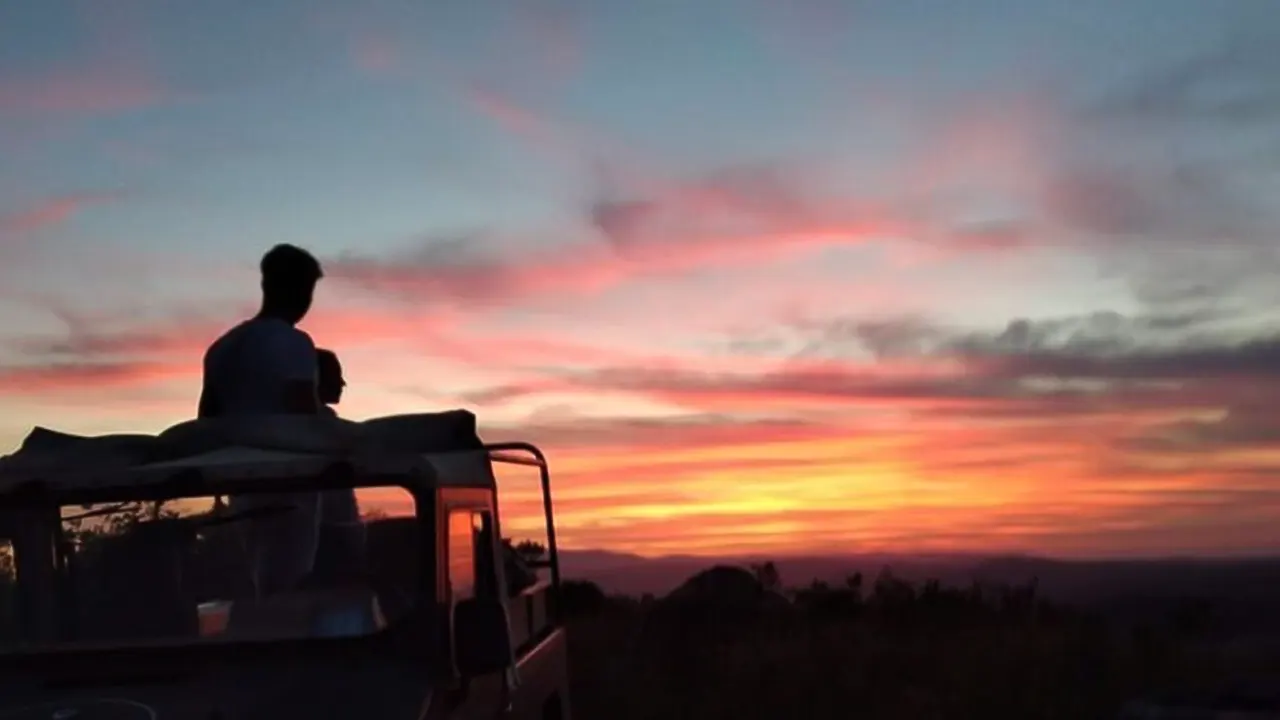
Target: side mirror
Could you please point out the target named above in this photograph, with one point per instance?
(481, 637)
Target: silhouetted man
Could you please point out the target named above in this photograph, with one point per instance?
(266, 365)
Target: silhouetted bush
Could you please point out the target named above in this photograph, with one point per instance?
(579, 598)
(894, 650)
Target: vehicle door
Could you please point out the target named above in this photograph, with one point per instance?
(469, 571)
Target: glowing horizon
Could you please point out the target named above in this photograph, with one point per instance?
(759, 278)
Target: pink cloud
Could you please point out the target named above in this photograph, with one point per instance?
(112, 70)
(64, 377)
(550, 34)
(109, 352)
(17, 229)
(90, 92)
(375, 54)
(748, 218)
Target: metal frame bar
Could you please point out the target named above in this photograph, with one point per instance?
(500, 452)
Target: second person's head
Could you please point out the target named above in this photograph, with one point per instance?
(329, 380)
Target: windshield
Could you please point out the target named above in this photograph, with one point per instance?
(212, 568)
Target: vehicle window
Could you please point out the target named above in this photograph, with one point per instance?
(486, 572)
(462, 555)
(258, 566)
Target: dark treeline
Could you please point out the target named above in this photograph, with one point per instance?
(738, 643)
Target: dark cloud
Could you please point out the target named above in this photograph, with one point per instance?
(1256, 360)
(1099, 333)
(620, 221)
(1245, 425)
(671, 433)
(1094, 334)
(1237, 82)
(1166, 176)
(1198, 345)
(882, 338)
(467, 267)
(1107, 366)
(1175, 201)
(741, 201)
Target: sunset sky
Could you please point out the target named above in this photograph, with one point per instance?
(762, 276)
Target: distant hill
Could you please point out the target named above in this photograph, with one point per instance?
(629, 574)
(1245, 585)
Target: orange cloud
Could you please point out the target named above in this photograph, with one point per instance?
(1003, 441)
(870, 486)
(1160, 450)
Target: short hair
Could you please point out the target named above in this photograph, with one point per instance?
(288, 265)
(327, 360)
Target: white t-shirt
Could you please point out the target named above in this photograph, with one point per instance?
(247, 369)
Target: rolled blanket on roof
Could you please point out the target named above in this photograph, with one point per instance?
(50, 450)
(447, 431)
(317, 434)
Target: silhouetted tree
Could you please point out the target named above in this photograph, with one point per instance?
(890, 591)
(582, 597)
(825, 601)
(530, 550)
(768, 575)
(854, 584)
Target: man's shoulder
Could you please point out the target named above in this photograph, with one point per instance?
(226, 338)
(260, 335)
(282, 345)
(269, 330)
(291, 335)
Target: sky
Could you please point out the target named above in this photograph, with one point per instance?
(761, 277)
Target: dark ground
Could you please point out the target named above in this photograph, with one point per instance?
(895, 649)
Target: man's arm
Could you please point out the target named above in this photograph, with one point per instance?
(208, 404)
(297, 358)
(300, 398)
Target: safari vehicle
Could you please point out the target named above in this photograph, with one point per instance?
(133, 593)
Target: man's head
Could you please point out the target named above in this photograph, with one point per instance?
(329, 380)
(289, 277)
